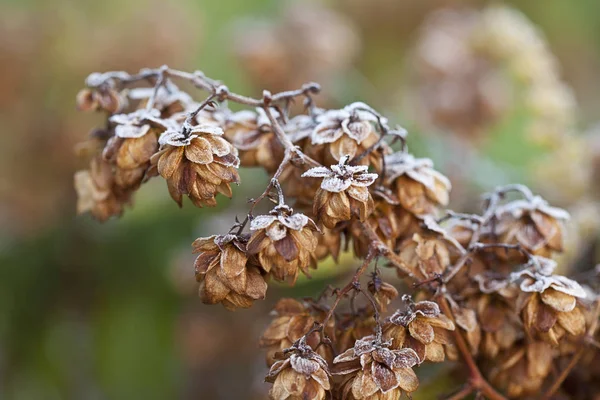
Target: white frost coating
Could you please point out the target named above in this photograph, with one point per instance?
(340, 177)
(96, 79)
(295, 221)
(179, 139)
(432, 225)
(353, 120)
(165, 96)
(418, 169)
(536, 282)
(518, 208)
(134, 125)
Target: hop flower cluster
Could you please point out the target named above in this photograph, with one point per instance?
(482, 286)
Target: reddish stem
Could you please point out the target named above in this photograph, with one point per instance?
(476, 380)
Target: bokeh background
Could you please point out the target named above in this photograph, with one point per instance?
(493, 92)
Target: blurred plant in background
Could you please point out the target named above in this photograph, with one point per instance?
(82, 305)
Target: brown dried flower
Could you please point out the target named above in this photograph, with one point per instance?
(134, 143)
(251, 133)
(285, 243)
(101, 94)
(198, 163)
(531, 223)
(376, 372)
(106, 99)
(301, 374)
(383, 292)
(343, 193)
(428, 253)
(294, 319)
(352, 326)
(549, 305)
(521, 370)
(419, 188)
(169, 100)
(345, 132)
(97, 193)
(500, 325)
(423, 328)
(225, 273)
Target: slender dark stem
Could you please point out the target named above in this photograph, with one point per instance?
(476, 379)
(376, 316)
(384, 250)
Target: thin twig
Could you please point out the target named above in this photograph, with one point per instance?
(476, 379)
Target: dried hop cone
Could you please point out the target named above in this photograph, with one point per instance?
(345, 132)
(100, 94)
(168, 99)
(521, 371)
(383, 292)
(251, 133)
(375, 372)
(549, 305)
(428, 253)
(105, 99)
(97, 193)
(134, 143)
(284, 242)
(301, 374)
(225, 273)
(197, 162)
(418, 187)
(343, 193)
(495, 305)
(531, 223)
(423, 328)
(294, 319)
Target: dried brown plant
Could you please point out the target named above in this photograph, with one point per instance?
(485, 283)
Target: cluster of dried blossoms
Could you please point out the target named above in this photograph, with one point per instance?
(481, 287)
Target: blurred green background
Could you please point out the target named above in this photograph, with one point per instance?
(109, 311)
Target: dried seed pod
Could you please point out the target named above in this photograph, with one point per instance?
(549, 308)
(419, 188)
(374, 371)
(346, 132)
(103, 98)
(521, 371)
(329, 244)
(383, 292)
(169, 100)
(343, 193)
(225, 273)
(251, 133)
(466, 320)
(500, 324)
(97, 192)
(423, 328)
(301, 374)
(284, 242)
(292, 320)
(198, 163)
(353, 326)
(134, 143)
(531, 223)
(428, 253)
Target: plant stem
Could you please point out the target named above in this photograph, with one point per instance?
(476, 380)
